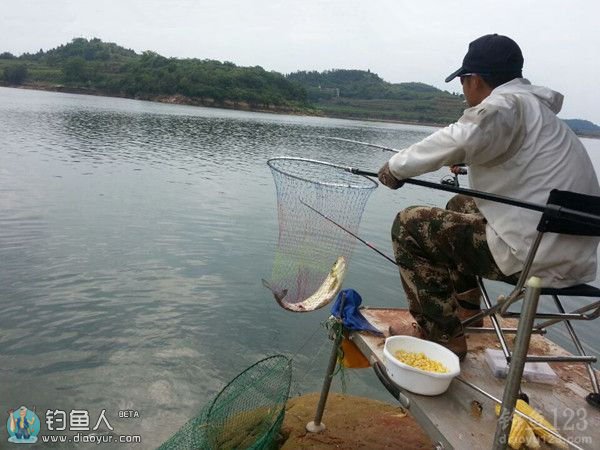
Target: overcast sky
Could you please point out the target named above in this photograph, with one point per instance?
(421, 40)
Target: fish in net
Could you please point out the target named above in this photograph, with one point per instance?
(319, 206)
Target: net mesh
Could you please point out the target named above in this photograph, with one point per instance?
(246, 414)
(308, 243)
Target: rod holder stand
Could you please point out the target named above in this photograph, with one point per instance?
(316, 426)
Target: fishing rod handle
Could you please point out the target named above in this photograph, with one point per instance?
(459, 190)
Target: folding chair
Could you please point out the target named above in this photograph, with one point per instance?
(566, 213)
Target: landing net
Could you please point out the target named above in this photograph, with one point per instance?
(308, 243)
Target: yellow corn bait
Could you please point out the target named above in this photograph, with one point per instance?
(420, 361)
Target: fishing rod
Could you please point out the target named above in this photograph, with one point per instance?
(368, 144)
(457, 190)
(371, 246)
(550, 209)
(461, 171)
(570, 214)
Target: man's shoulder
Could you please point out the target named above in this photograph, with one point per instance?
(491, 106)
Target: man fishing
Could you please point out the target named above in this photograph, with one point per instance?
(515, 146)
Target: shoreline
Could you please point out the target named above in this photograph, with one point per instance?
(178, 99)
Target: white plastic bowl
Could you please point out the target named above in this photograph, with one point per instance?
(417, 380)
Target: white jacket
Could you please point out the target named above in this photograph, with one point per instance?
(515, 146)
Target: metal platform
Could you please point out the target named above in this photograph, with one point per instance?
(452, 419)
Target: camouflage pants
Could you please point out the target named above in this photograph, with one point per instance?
(439, 252)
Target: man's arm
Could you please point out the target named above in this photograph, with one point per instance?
(487, 134)
(387, 179)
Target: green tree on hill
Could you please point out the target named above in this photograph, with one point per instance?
(363, 94)
(90, 50)
(111, 69)
(75, 70)
(15, 74)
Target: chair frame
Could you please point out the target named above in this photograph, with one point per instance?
(555, 218)
(558, 219)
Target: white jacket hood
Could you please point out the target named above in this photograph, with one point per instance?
(548, 97)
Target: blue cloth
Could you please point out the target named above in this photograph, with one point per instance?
(352, 317)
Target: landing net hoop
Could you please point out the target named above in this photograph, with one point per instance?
(312, 253)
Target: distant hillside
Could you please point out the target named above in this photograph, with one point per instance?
(104, 68)
(363, 94)
(583, 127)
(98, 67)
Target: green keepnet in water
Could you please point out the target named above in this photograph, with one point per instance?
(246, 414)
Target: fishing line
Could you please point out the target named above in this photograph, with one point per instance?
(306, 341)
(371, 246)
(352, 141)
(311, 358)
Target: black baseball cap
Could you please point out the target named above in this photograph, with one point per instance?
(491, 54)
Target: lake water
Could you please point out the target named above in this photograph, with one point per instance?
(133, 238)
